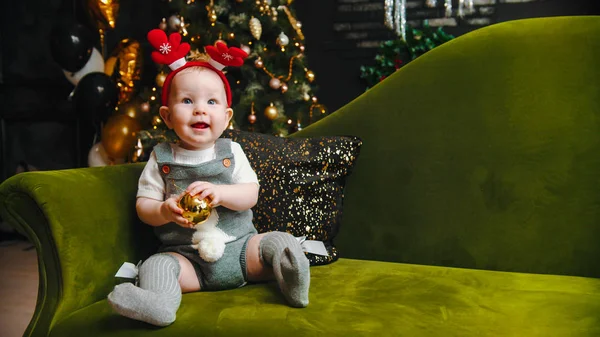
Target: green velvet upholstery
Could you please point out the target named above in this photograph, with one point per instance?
(483, 154)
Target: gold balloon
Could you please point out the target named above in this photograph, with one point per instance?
(104, 12)
(195, 210)
(271, 112)
(119, 135)
(133, 108)
(127, 60)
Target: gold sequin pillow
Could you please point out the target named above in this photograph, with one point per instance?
(301, 184)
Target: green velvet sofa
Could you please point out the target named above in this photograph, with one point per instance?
(473, 209)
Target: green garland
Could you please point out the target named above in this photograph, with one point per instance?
(394, 54)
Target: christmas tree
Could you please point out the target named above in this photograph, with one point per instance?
(273, 92)
(394, 54)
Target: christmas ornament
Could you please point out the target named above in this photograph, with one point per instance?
(275, 83)
(284, 88)
(252, 116)
(283, 40)
(295, 24)
(448, 6)
(119, 135)
(258, 63)
(246, 49)
(163, 24)
(431, 3)
(310, 76)
(145, 107)
(271, 112)
(195, 210)
(160, 79)
(126, 63)
(255, 28)
(212, 16)
(138, 151)
(395, 16)
(174, 22)
(156, 121)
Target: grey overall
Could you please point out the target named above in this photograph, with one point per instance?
(230, 270)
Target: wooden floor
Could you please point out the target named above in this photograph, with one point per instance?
(18, 286)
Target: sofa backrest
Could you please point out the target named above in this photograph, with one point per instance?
(482, 153)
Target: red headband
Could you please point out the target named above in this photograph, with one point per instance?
(172, 53)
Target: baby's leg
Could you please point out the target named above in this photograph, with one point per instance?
(162, 279)
(290, 267)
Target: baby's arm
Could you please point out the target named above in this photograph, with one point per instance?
(158, 213)
(237, 197)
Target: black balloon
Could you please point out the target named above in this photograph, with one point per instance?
(71, 45)
(95, 97)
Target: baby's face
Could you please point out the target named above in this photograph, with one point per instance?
(197, 108)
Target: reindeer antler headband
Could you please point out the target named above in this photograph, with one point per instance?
(172, 52)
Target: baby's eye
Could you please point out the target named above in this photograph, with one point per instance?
(212, 101)
(187, 101)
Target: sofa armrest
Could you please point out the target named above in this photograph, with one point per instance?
(84, 225)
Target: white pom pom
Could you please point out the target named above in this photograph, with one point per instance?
(211, 249)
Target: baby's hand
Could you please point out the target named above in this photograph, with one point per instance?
(205, 189)
(171, 211)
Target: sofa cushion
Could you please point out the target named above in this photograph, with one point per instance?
(353, 297)
(301, 184)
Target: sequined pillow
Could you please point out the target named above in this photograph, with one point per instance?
(301, 184)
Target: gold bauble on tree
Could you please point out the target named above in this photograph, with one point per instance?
(195, 210)
(310, 76)
(255, 28)
(271, 112)
(160, 79)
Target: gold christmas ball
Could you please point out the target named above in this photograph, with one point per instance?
(212, 16)
(310, 76)
(160, 79)
(156, 121)
(258, 63)
(195, 210)
(271, 112)
(252, 119)
(163, 24)
(275, 83)
(145, 107)
(284, 88)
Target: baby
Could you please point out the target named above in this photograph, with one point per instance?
(196, 100)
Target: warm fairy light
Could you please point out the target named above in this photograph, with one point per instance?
(152, 98)
(283, 49)
(153, 88)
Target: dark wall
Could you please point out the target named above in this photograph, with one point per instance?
(40, 124)
(337, 65)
